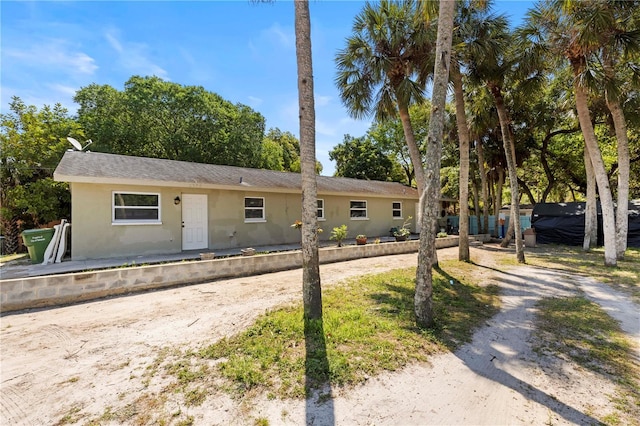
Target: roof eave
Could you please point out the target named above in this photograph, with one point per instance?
(59, 177)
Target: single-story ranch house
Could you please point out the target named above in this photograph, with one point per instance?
(127, 206)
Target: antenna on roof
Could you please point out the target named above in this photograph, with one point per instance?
(77, 146)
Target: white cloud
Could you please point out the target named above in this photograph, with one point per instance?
(255, 102)
(197, 72)
(38, 96)
(113, 42)
(54, 53)
(133, 56)
(324, 128)
(284, 37)
(61, 88)
(322, 100)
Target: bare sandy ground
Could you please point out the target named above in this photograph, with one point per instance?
(83, 360)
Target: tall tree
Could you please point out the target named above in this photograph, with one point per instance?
(463, 137)
(483, 122)
(620, 39)
(468, 19)
(280, 151)
(492, 68)
(385, 66)
(311, 289)
(557, 24)
(360, 158)
(423, 301)
(32, 142)
(389, 136)
(161, 119)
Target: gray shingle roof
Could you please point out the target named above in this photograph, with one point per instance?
(95, 167)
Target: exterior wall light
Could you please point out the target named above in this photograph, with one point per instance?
(176, 200)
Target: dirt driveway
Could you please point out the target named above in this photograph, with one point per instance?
(83, 360)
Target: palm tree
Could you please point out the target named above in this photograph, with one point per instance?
(384, 67)
(470, 21)
(311, 289)
(463, 136)
(560, 26)
(620, 41)
(423, 302)
(492, 67)
(483, 122)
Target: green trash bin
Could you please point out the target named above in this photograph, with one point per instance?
(36, 241)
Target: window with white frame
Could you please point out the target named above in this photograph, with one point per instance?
(320, 212)
(135, 208)
(396, 208)
(358, 209)
(254, 209)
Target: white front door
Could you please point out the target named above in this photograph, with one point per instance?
(194, 222)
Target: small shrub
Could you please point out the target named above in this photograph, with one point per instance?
(339, 233)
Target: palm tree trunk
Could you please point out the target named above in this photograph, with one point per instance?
(414, 152)
(311, 289)
(591, 210)
(463, 136)
(622, 213)
(485, 186)
(423, 302)
(498, 200)
(508, 235)
(606, 200)
(11, 243)
(476, 206)
(509, 151)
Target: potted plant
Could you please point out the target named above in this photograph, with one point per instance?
(404, 231)
(339, 233)
(361, 239)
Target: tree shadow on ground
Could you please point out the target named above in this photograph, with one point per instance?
(505, 344)
(319, 408)
(498, 350)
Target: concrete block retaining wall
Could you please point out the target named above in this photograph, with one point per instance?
(53, 290)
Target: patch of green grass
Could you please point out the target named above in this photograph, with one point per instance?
(625, 277)
(580, 330)
(261, 421)
(368, 326)
(189, 421)
(146, 409)
(195, 397)
(72, 416)
(185, 373)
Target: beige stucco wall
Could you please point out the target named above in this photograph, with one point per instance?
(94, 236)
(379, 211)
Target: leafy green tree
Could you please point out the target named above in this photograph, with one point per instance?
(161, 119)
(359, 158)
(32, 142)
(385, 65)
(280, 151)
(388, 135)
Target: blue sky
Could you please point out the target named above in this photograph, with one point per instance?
(242, 50)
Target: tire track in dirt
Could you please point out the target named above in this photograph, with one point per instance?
(12, 411)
